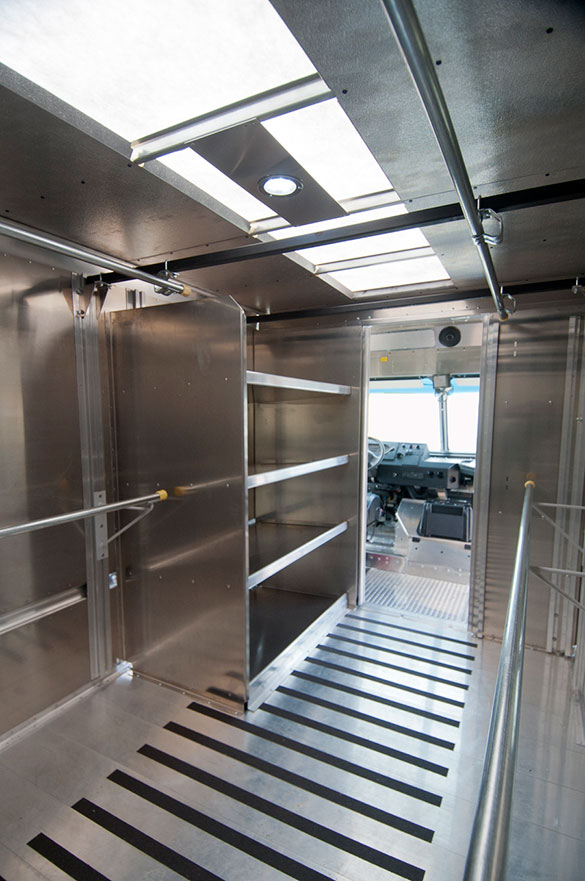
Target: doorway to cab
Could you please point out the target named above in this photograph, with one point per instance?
(423, 419)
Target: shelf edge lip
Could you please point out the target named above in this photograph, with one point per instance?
(274, 380)
(256, 578)
(290, 471)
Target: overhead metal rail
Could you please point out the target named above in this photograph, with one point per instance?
(486, 858)
(531, 197)
(82, 514)
(411, 40)
(282, 99)
(78, 252)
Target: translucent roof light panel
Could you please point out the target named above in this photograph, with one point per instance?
(172, 61)
(206, 176)
(324, 141)
(389, 275)
(385, 243)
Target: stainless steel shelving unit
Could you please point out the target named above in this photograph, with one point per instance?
(274, 546)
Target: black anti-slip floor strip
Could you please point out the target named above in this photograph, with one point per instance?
(472, 645)
(283, 815)
(386, 665)
(304, 783)
(364, 717)
(65, 860)
(370, 678)
(418, 645)
(150, 846)
(236, 839)
(358, 741)
(415, 711)
(295, 745)
(390, 651)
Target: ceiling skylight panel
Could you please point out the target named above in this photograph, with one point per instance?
(385, 243)
(166, 70)
(386, 275)
(286, 232)
(324, 141)
(206, 176)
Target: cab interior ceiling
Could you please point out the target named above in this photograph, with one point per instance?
(514, 86)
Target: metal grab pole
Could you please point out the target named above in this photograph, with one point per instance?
(486, 858)
(78, 252)
(159, 496)
(411, 40)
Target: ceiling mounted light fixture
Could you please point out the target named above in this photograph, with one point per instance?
(280, 185)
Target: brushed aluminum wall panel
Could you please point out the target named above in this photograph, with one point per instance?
(41, 663)
(178, 376)
(295, 427)
(527, 436)
(40, 463)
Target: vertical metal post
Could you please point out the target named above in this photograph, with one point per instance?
(363, 466)
(481, 489)
(443, 424)
(565, 479)
(85, 317)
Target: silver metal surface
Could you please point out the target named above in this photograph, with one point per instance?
(401, 591)
(444, 423)
(178, 374)
(276, 671)
(291, 96)
(79, 252)
(35, 611)
(527, 433)
(411, 40)
(266, 572)
(489, 840)
(72, 516)
(40, 473)
(363, 490)
(92, 438)
(482, 478)
(271, 380)
(261, 477)
(248, 153)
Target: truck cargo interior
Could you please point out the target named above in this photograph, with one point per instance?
(292, 382)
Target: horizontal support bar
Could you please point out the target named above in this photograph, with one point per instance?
(273, 380)
(563, 593)
(35, 611)
(575, 572)
(275, 475)
(82, 514)
(559, 505)
(256, 578)
(78, 252)
(282, 99)
(515, 201)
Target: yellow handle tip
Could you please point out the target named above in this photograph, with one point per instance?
(162, 494)
(180, 491)
(530, 483)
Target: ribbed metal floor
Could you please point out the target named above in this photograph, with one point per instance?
(341, 774)
(416, 595)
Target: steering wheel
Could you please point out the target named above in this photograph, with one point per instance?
(376, 451)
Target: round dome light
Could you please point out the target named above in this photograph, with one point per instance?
(279, 185)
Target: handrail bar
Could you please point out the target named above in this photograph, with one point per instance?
(487, 852)
(563, 593)
(159, 496)
(559, 505)
(556, 526)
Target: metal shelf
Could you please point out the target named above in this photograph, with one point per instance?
(261, 475)
(283, 544)
(273, 380)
